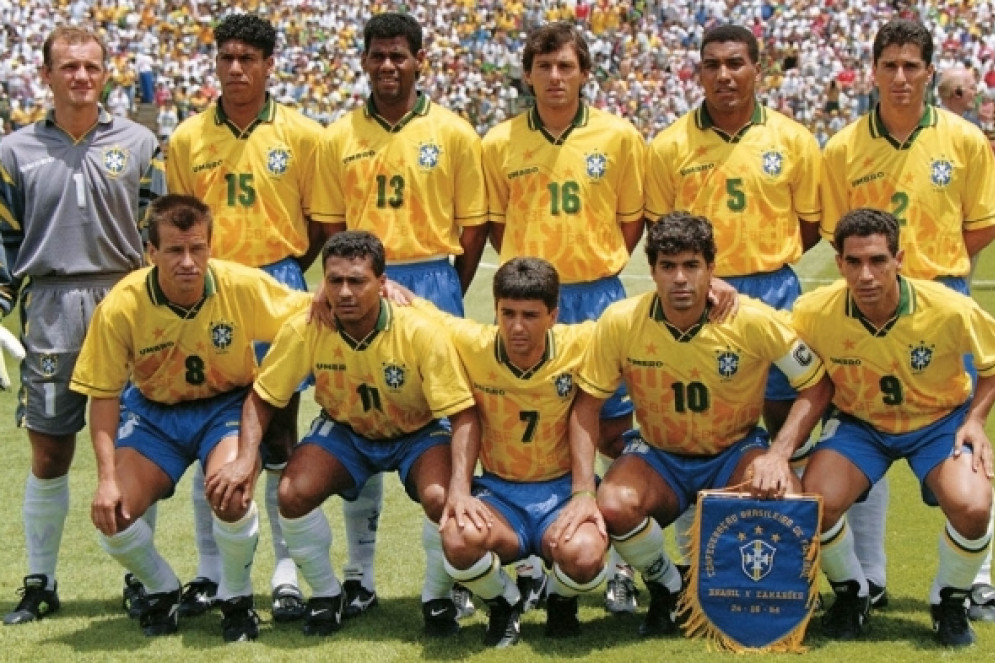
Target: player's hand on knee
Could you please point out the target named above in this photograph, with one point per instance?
(582, 508)
(973, 434)
(770, 476)
(466, 510)
(107, 507)
(230, 487)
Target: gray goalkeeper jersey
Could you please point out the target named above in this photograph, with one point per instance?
(72, 208)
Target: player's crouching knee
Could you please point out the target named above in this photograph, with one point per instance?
(291, 501)
(464, 546)
(619, 505)
(433, 501)
(234, 511)
(582, 562)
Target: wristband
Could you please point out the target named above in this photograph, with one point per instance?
(589, 493)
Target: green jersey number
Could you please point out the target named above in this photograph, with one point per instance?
(531, 419)
(370, 396)
(691, 396)
(195, 370)
(891, 387)
(901, 200)
(393, 186)
(564, 198)
(240, 189)
(737, 197)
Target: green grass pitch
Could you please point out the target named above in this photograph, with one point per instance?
(92, 627)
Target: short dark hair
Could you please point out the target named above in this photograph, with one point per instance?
(393, 24)
(71, 35)
(864, 222)
(737, 33)
(902, 31)
(180, 211)
(356, 244)
(677, 232)
(250, 28)
(527, 278)
(552, 37)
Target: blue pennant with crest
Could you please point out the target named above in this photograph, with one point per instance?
(754, 571)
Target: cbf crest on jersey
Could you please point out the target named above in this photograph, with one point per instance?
(222, 335)
(727, 363)
(564, 383)
(394, 376)
(115, 160)
(596, 165)
(754, 572)
(941, 172)
(920, 356)
(48, 364)
(428, 155)
(772, 162)
(277, 160)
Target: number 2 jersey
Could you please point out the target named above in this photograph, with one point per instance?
(523, 413)
(400, 377)
(909, 373)
(700, 391)
(173, 354)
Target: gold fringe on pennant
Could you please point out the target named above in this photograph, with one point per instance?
(697, 625)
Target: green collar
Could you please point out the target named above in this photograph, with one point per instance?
(580, 120)
(524, 374)
(878, 130)
(158, 297)
(656, 313)
(420, 109)
(266, 114)
(906, 305)
(383, 321)
(703, 121)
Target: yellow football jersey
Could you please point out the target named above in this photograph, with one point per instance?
(258, 182)
(391, 383)
(910, 373)
(564, 198)
(414, 185)
(938, 184)
(173, 354)
(754, 187)
(700, 391)
(523, 413)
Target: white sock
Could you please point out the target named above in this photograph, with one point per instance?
(984, 575)
(284, 571)
(682, 533)
(617, 565)
(839, 561)
(486, 579)
(208, 555)
(362, 517)
(960, 559)
(438, 583)
(643, 549)
(309, 540)
(237, 542)
(46, 505)
(151, 516)
(563, 585)
(134, 550)
(867, 521)
(530, 567)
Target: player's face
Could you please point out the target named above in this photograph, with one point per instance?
(353, 292)
(557, 78)
(181, 262)
(871, 273)
(393, 70)
(682, 281)
(901, 76)
(77, 75)
(522, 324)
(728, 77)
(243, 73)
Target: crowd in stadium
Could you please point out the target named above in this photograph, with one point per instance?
(815, 56)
